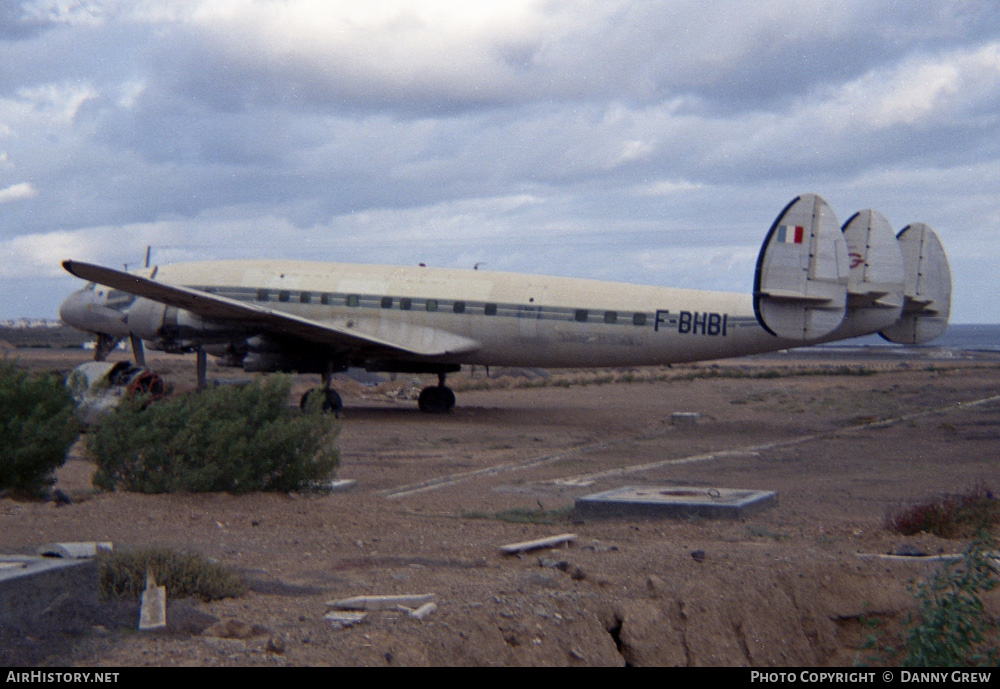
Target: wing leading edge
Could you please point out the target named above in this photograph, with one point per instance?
(394, 338)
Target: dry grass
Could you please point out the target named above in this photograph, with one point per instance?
(123, 575)
(950, 516)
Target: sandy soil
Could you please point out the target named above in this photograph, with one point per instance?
(783, 587)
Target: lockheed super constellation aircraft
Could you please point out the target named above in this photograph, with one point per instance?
(815, 282)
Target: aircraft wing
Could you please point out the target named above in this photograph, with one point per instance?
(391, 337)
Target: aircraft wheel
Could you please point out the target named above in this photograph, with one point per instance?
(147, 383)
(436, 399)
(331, 400)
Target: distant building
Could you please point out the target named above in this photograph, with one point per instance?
(24, 323)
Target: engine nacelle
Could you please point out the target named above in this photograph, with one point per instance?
(268, 362)
(264, 355)
(174, 329)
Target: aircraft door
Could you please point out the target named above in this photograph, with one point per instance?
(528, 314)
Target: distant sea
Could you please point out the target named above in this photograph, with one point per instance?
(969, 337)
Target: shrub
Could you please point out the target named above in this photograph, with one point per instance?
(123, 575)
(950, 627)
(950, 516)
(228, 438)
(37, 428)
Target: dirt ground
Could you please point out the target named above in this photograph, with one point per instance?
(783, 587)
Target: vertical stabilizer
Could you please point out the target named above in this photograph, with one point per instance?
(800, 288)
(875, 286)
(926, 290)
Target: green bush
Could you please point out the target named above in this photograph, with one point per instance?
(37, 428)
(228, 438)
(123, 575)
(951, 627)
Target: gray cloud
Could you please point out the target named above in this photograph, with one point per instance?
(649, 142)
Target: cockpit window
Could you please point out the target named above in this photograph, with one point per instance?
(91, 286)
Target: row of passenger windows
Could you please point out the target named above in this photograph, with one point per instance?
(406, 304)
(354, 300)
(610, 317)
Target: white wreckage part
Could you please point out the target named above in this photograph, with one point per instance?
(97, 387)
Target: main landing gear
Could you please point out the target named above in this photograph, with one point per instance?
(437, 399)
(434, 399)
(331, 398)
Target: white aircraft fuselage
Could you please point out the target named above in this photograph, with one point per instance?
(515, 319)
(814, 283)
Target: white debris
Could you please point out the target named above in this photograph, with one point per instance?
(550, 542)
(153, 611)
(381, 602)
(344, 619)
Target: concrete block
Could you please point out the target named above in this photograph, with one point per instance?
(673, 502)
(29, 585)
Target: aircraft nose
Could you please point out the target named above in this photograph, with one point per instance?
(82, 310)
(72, 309)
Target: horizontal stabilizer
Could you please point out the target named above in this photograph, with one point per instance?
(926, 290)
(800, 288)
(869, 298)
(787, 295)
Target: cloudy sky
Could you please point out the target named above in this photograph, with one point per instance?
(648, 142)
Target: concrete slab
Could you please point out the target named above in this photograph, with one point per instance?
(29, 585)
(673, 502)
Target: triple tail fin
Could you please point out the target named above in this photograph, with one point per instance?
(816, 282)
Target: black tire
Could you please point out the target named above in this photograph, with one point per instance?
(331, 402)
(436, 400)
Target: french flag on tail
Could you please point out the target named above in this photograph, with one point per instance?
(791, 234)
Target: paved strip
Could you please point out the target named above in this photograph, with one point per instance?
(754, 449)
(452, 479)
